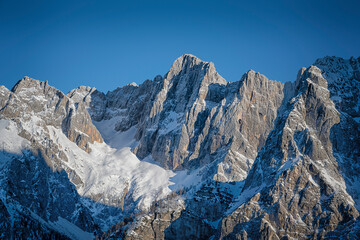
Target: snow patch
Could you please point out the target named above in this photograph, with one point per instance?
(213, 224)
(71, 230)
(10, 141)
(244, 197)
(109, 172)
(185, 179)
(113, 138)
(171, 123)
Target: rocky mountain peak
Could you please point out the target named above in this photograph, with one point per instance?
(314, 74)
(254, 79)
(184, 62)
(336, 63)
(133, 84)
(200, 158)
(38, 102)
(187, 64)
(343, 77)
(337, 68)
(81, 94)
(27, 84)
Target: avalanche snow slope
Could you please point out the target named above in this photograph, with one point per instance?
(295, 188)
(109, 173)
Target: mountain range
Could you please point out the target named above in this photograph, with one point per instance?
(186, 155)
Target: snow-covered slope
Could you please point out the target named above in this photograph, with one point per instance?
(109, 174)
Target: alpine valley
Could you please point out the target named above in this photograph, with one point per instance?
(187, 155)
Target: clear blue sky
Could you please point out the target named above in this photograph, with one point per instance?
(106, 44)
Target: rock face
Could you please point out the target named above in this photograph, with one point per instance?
(209, 159)
(193, 117)
(197, 118)
(300, 192)
(32, 97)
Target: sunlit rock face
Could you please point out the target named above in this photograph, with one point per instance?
(31, 99)
(193, 117)
(186, 155)
(295, 185)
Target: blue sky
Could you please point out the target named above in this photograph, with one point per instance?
(106, 44)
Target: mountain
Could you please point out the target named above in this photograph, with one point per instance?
(185, 156)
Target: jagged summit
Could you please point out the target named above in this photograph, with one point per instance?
(133, 84)
(27, 82)
(189, 57)
(253, 75)
(187, 63)
(81, 92)
(185, 59)
(337, 67)
(330, 60)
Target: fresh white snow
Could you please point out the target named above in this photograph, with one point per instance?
(109, 172)
(171, 123)
(113, 138)
(71, 230)
(111, 169)
(10, 141)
